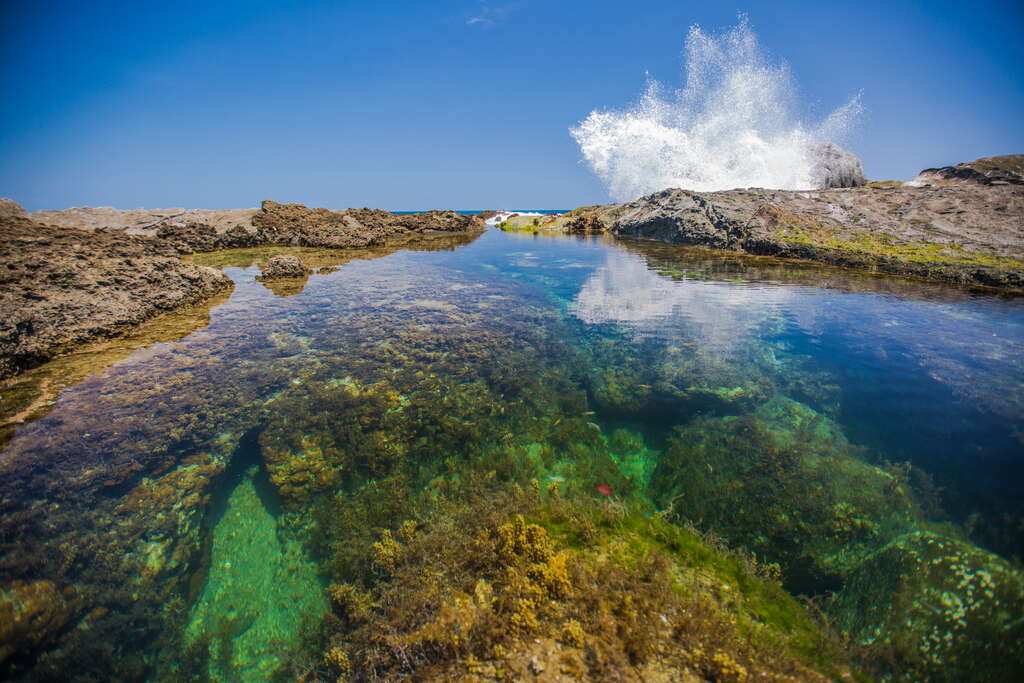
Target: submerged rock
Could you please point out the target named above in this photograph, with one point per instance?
(941, 609)
(512, 587)
(786, 484)
(31, 612)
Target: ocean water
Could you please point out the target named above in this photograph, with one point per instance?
(177, 509)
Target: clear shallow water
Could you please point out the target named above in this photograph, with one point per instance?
(584, 362)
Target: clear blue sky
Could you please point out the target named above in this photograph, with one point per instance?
(452, 103)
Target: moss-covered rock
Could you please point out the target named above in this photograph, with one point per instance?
(785, 483)
(937, 609)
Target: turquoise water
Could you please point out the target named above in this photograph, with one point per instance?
(191, 502)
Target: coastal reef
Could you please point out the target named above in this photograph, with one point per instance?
(961, 224)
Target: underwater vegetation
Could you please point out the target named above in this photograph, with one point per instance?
(784, 483)
(936, 608)
(421, 469)
(503, 582)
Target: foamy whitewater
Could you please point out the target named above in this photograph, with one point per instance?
(733, 124)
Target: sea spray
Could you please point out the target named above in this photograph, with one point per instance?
(733, 124)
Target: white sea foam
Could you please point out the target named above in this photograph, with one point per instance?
(733, 124)
(503, 216)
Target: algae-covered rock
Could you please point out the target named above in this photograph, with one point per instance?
(785, 483)
(957, 224)
(31, 612)
(515, 587)
(938, 609)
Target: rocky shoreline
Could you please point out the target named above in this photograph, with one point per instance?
(961, 224)
(86, 274)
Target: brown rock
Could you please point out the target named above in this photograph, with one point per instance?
(11, 209)
(298, 225)
(282, 265)
(60, 287)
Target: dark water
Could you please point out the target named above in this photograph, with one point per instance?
(180, 484)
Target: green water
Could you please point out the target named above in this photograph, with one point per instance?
(326, 479)
(261, 589)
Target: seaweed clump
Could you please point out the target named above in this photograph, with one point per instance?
(517, 585)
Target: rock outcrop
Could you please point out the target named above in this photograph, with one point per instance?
(201, 230)
(836, 167)
(282, 265)
(60, 287)
(962, 224)
(90, 273)
(11, 209)
(300, 226)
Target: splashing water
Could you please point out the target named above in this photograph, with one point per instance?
(734, 124)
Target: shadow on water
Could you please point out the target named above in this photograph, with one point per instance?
(256, 589)
(243, 462)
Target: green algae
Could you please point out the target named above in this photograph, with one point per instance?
(879, 245)
(260, 592)
(939, 607)
(785, 483)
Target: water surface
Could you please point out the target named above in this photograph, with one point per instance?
(185, 483)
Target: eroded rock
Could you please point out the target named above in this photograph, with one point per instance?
(60, 287)
(283, 265)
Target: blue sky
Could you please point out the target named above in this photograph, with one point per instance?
(452, 103)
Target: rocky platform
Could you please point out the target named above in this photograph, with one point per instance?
(962, 224)
(69, 277)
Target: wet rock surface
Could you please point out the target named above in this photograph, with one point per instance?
(962, 224)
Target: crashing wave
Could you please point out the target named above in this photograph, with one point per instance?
(733, 124)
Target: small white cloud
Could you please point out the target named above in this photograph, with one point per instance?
(489, 15)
